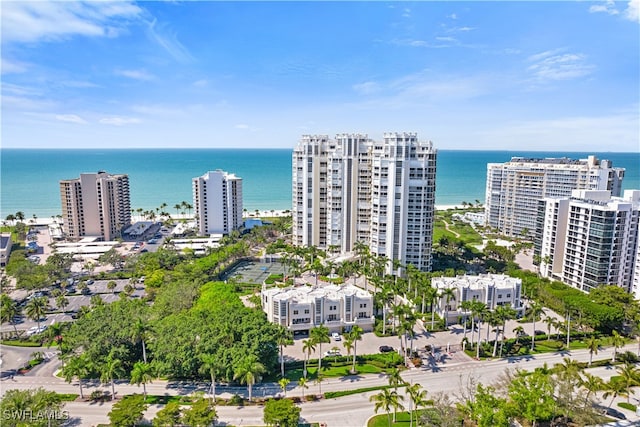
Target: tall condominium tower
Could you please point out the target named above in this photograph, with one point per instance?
(352, 189)
(217, 200)
(590, 239)
(515, 187)
(96, 204)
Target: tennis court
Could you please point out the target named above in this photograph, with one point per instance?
(253, 271)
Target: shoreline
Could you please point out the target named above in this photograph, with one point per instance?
(254, 214)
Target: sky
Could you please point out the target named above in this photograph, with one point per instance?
(555, 76)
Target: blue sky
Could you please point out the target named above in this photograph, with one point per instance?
(560, 76)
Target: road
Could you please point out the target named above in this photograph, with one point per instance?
(341, 412)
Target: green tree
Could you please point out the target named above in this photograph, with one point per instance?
(614, 387)
(283, 383)
(395, 380)
(535, 310)
(168, 416)
(62, 302)
(355, 335)
(592, 384)
(128, 411)
(201, 413)
(281, 413)
(618, 341)
(77, 367)
(302, 383)
(418, 398)
(386, 400)
(593, 345)
(249, 372)
(26, 404)
(142, 374)
(447, 295)
(630, 376)
(283, 338)
(319, 335)
(485, 408)
(111, 285)
(531, 396)
(36, 308)
(307, 347)
(109, 370)
(9, 310)
(212, 365)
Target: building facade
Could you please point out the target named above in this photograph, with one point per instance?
(95, 205)
(5, 248)
(491, 289)
(590, 239)
(514, 188)
(302, 308)
(217, 201)
(353, 189)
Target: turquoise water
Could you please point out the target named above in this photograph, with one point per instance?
(29, 178)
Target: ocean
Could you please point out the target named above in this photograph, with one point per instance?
(29, 178)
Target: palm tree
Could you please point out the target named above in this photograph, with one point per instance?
(614, 388)
(111, 368)
(347, 343)
(618, 341)
(307, 347)
(62, 302)
(177, 207)
(418, 398)
(505, 312)
(283, 338)
(518, 330)
(447, 295)
(36, 309)
(535, 310)
(9, 310)
(477, 309)
(141, 374)
(211, 364)
(550, 321)
(302, 382)
(319, 335)
(249, 371)
(386, 400)
(111, 285)
(593, 344)
(283, 383)
(592, 383)
(76, 367)
(466, 307)
(140, 330)
(355, 335)
(630, 376)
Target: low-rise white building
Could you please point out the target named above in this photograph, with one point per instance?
(491, 289)
(302, 308)
(5, 248)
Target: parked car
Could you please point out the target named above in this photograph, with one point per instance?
(90, 282)
(385, 348)
(611, 412)
(36, 330)
(335, 353)
(336, 336)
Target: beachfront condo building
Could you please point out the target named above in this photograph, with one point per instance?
(95, 205)
(590, 239)
(514, 188)
(301, 308)
(352, 190)
(217, 201)
(492, 290)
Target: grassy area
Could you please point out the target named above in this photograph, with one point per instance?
(332, 394)
(20, 343)
(402, 419)
(66, 397)
(332, 370)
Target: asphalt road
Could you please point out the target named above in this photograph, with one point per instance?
(342, 412)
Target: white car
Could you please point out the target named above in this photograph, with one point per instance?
(334, 353)
(36, 330)
(336, 336)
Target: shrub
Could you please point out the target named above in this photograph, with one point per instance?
(627, 406)
(236, 400)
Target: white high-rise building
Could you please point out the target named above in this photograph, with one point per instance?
(217, 202)
(95, 205)
(353, 189)
(514, 188)
(590, 239)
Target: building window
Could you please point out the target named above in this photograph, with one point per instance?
(306, 311)
(363, 305)
(295, 311)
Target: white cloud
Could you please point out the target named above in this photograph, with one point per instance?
(608, 6)
(119, 121)
(160, 34)
(241, 126)
(157, 110)
(135, 74)
(553, 65)
(406, 13)
(366, 88)
(632, 13)
(460, 29)
(70, 118)
(13, 67)
(201, 83)
(452, 16)
(32, 21)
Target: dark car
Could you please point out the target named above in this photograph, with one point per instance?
(539, 332)
(610, 412)
(385, 348)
